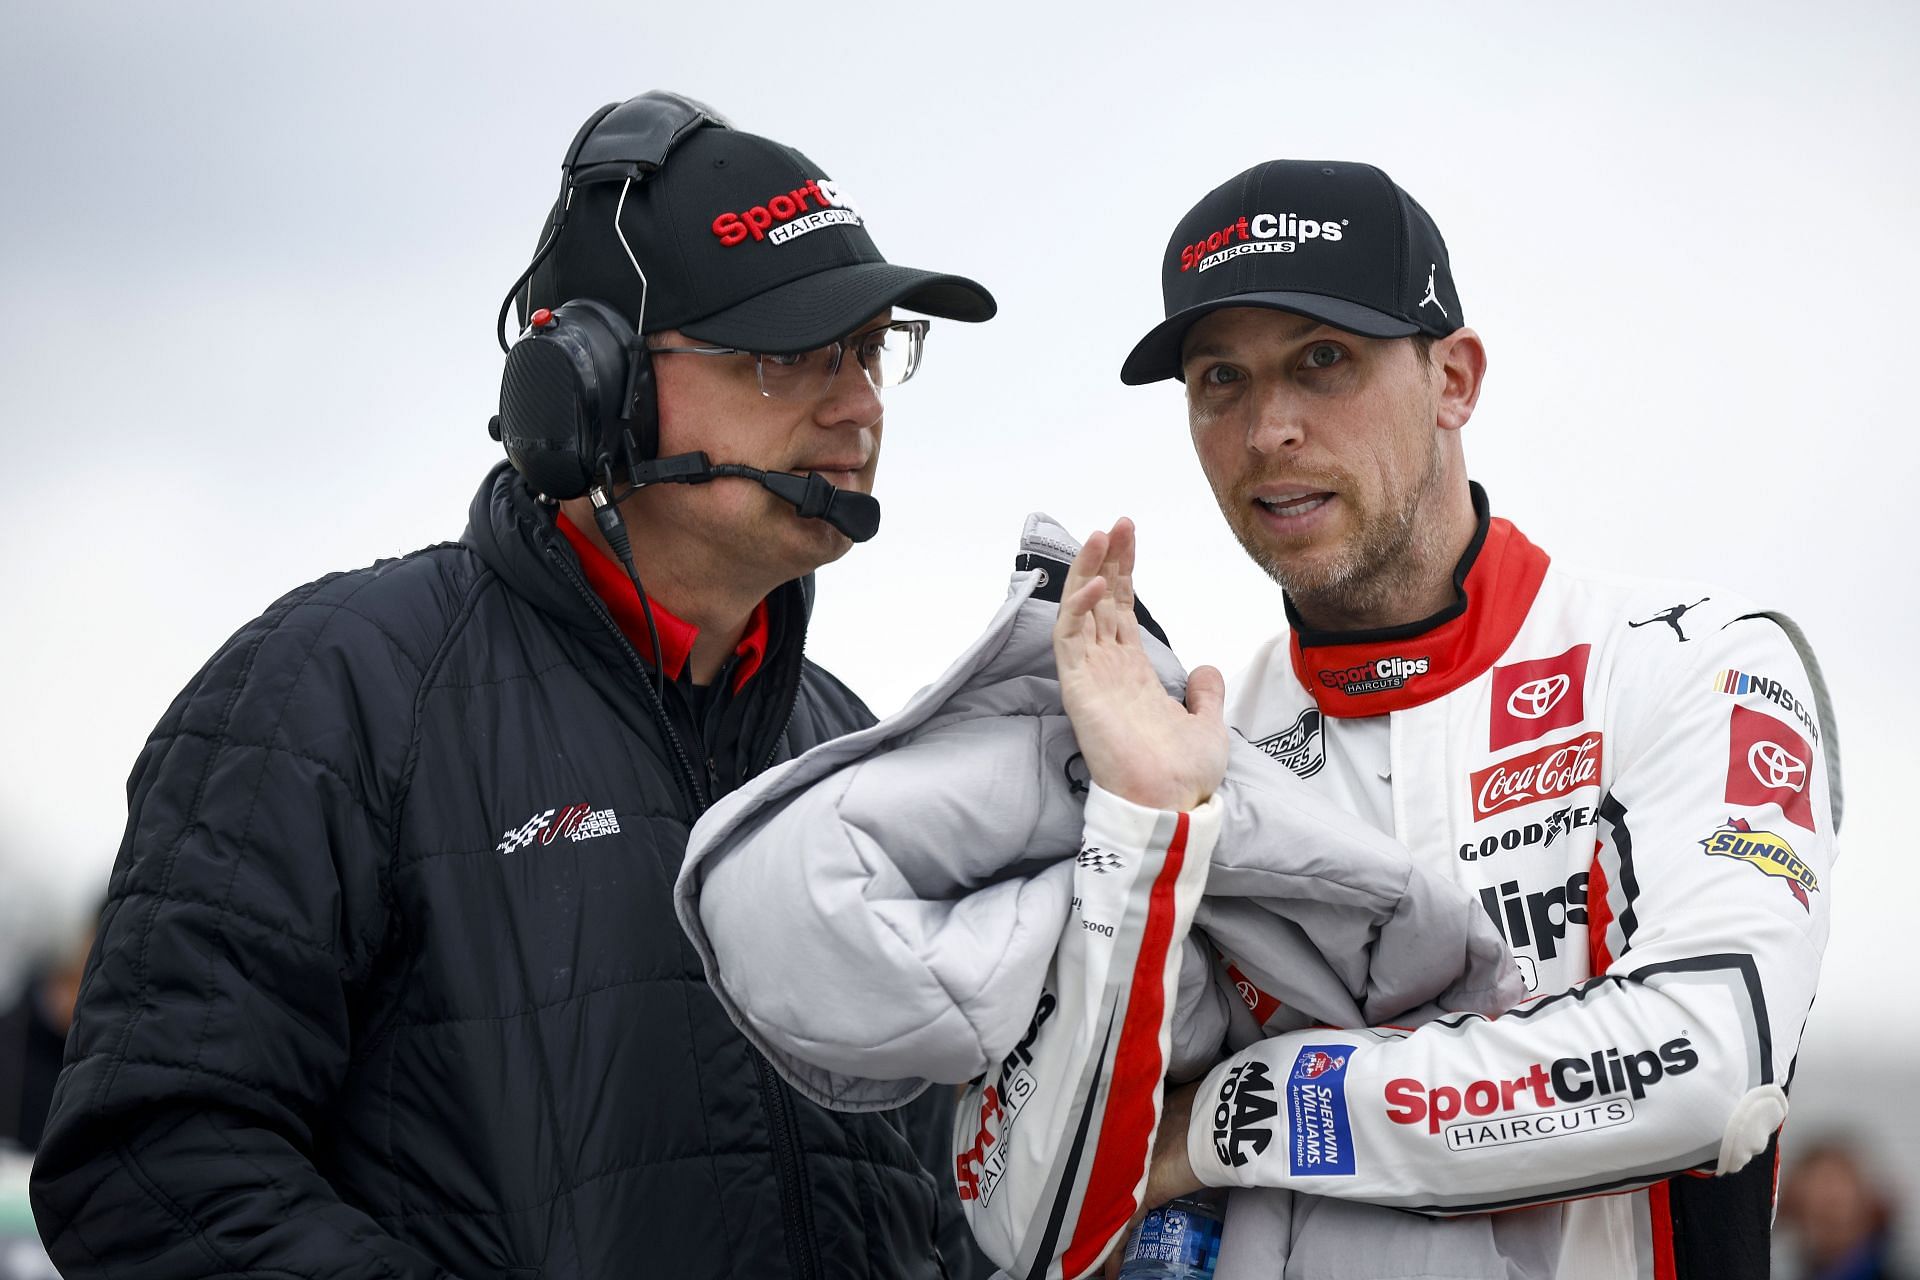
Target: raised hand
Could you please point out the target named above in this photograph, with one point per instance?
(1139, 743)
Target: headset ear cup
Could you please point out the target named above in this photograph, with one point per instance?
(609, 347)
(543, 412)
(562, 418)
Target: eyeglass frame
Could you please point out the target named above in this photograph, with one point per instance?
(916, 328)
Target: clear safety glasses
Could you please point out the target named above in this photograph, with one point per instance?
(888, 356)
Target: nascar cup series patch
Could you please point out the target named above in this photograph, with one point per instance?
(1300, 746)
(1767, 853)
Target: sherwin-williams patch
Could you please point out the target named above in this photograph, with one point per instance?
(1317, 1110)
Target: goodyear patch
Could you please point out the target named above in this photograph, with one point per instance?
(1765, 852)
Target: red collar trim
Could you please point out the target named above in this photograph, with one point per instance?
(1369, 673)
(610, 582)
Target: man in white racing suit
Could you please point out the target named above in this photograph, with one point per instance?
(1636, 779)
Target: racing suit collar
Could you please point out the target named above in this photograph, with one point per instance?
(1368, 673)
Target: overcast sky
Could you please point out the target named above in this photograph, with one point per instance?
(252, 254)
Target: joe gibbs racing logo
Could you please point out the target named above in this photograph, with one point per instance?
(1554, 770)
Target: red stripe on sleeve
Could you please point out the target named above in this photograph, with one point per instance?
(1599, 918)
(1661, 1213)
(1126, 1131)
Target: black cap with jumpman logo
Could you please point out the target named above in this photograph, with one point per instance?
(1335, 241)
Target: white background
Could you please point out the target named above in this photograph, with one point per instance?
(250, 256)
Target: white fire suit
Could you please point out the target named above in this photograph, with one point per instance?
(1638, 780)
(1589, 760)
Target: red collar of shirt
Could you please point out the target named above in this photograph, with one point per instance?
(1368, 673)
(610, 582)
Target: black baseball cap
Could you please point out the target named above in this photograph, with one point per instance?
(1335, 241)
(744, 243)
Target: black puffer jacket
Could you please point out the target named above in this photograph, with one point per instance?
(343, 1022)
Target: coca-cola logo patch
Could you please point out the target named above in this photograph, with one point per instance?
(1555, 770)
(1531, 699)
(1768, 763)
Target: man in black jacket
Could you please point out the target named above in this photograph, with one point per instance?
(389, 983)
(33, 1038)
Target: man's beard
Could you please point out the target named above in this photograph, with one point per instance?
(1383, 557)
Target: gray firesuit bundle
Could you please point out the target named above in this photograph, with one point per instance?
(945, 897)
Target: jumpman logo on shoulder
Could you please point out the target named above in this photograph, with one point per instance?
(1432, 296)
(1671, 616)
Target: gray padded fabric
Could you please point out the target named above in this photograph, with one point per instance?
(878, 914)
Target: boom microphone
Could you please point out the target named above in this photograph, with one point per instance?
(857, 515)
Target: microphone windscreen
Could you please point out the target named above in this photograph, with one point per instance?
(855, 514)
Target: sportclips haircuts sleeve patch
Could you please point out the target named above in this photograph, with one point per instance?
(1569, 1096)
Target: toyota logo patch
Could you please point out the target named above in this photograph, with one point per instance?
(1537, 697)
(1768, 763)
(1533, 698)
(1774, 767)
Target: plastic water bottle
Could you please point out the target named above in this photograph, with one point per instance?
(1180, 1240)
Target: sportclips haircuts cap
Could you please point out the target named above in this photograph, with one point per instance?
(1337, 242)
(744, 243)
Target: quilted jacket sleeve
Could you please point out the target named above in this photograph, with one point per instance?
(246, 906)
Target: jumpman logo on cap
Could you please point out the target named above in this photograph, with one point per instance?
(1433, 297)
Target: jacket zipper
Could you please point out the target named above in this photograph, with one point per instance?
(689, 781)
(796, 1210)
(803, 1249)
(780, 737)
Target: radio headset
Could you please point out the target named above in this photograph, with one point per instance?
(578, 411)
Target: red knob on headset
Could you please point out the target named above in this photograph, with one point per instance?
(541, 318)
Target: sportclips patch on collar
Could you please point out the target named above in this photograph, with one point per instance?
(1369, 673)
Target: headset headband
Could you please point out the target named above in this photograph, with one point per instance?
(621, 142)
(631, 139)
